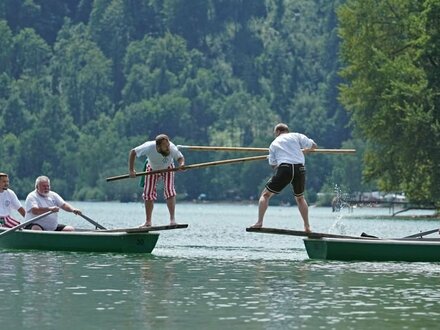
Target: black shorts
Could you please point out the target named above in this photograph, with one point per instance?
(295, 174)
(59, 227)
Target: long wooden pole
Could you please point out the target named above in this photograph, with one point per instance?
(279, 231)
(190, 167)
(212, 148)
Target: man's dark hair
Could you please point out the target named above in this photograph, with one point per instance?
(282, 128)
(160, 138)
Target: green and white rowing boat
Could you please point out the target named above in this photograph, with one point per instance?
(413, 248)
(122, 240)
(347, 249)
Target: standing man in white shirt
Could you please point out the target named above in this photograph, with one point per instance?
(161, 154)
(287, 158)
(8, 202)
(42, 200)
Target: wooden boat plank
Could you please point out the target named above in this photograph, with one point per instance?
(317, 235)
(280, 231)
(146, 229)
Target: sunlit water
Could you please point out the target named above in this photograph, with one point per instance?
(215, 275)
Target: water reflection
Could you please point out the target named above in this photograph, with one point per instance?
(219, 277)
(163, 292)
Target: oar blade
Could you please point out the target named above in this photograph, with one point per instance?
(93, 222)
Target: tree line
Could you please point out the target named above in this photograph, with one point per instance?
(82, 82)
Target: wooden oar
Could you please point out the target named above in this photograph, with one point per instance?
(300, 233)
(212, 148)
(24, 224)
(423, 233)
(93, 222)
(190, 167)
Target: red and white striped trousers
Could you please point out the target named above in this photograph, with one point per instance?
(10, 222)
(150, 193)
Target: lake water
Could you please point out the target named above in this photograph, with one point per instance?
(215, 275)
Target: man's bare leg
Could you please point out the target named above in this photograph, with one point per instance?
(304, 210)
(36, 227)
(171, 204)
(263, 204)
(149, 205)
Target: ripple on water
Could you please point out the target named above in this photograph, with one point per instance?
(215, 275)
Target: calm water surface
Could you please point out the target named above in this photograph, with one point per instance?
(215, 275)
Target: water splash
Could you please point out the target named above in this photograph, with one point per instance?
(339, 201)
(339, 204)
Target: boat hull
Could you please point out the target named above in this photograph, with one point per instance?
(415, 250)
(93, 241)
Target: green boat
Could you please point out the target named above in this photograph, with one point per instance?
(118, 240)
(84, 241)
(415, 248)
(347, 249)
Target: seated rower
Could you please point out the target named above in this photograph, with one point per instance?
(8, 202)
(42, 200)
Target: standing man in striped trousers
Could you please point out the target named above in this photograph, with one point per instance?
(161, 154)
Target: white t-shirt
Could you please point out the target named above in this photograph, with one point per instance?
(286, 148)
(34, 199)
(156, 160)
(8, 202)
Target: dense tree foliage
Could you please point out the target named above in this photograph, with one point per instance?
(82, 82)
(392, 52)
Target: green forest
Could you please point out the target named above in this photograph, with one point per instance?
(84, 81)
